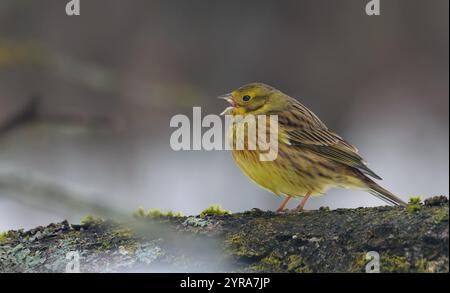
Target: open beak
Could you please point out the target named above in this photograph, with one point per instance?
(229, 98)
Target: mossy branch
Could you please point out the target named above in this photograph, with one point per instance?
(408, 239)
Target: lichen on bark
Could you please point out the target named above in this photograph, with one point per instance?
(407, 240)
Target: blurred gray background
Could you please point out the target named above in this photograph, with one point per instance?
(86, 101)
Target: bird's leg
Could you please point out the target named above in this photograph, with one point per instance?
(303, 202)
(283, 204)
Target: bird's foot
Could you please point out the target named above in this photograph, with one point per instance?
(292, 211)
(282, 211)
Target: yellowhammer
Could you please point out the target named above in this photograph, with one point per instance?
(311, 158)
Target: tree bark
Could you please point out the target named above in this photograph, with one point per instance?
(343, 240)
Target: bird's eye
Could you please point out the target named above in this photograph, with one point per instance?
(246, 98)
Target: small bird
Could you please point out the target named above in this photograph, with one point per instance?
(311, 158)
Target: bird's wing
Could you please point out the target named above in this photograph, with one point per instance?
(304, 129)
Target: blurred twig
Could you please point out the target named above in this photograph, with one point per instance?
(45, 194)
(48, 195)
(24, 114)
(92, 75)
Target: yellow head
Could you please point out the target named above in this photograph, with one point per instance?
(255, 98)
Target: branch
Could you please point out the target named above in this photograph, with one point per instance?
(407, 240)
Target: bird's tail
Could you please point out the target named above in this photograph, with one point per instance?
(383, 194)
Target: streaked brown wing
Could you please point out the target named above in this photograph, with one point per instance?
(304, 129)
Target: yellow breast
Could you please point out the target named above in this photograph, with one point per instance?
(292, 173)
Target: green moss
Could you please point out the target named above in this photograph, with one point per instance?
(303, 269)
(394, 264)
(173, 214)
(440, 215)
(214, 209)
(421, 266)
(275, 263)
(414, 204)
(106, 245)
(139, 213)
(123, 233)
(155, 213)
(359, 263)
(415, 200)
(3, 237)
(269, 264)
(388, 264)
(240, 246)
(91, 220)
(297, 265)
